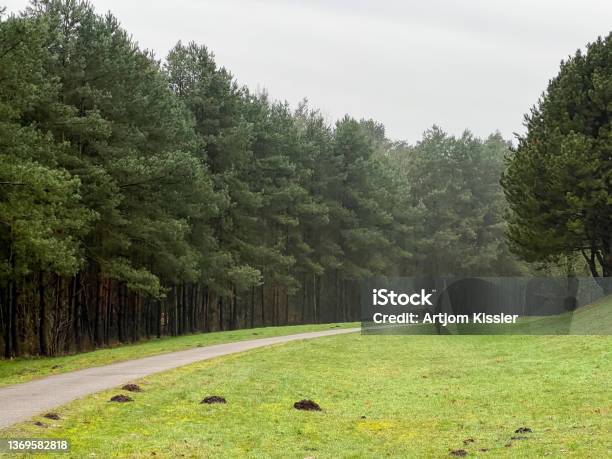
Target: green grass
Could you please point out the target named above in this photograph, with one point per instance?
(382, 396)
(27, 369)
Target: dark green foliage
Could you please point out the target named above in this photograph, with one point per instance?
(141, 199)
(559, 180)
(454, 186)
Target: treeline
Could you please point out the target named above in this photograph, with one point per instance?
(141, 198)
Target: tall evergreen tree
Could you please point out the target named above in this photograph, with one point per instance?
(216, 103)
(559, 179)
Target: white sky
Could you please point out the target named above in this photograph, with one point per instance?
(477, 64)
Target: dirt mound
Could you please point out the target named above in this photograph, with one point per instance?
(523, 430)
(467, 441)
(132, 388)
(121, 398)
(307, 405)
(214, 399)
(40, 424)
(54, 416)
(459, 452)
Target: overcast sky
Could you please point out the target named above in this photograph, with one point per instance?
(477, 64)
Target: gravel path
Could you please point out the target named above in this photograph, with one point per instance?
(21, 402)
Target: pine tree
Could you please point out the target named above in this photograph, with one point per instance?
(559, 180)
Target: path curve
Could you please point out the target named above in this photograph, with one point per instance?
(21, 402)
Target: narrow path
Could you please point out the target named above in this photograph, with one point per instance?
(21, 402)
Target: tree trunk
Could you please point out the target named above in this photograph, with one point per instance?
(206, 309)
(196, 309)
(337, 306)
(43, 345)
(263, 307)
(221, 325)
(148, 317)
(317, 299)
(120, 313)
(76, 307)
(98, 314)
(274, 307)
(86, 323)
(57, 319)
(8, 342)
(183, 326)
(253, 307)
(135, 318)
(593, 259)
(159, 318)
(109, 311)
(175, 323)
(304, 300)
(287, 309)
(14, 338)
(233, 310)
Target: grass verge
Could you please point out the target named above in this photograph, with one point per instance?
(26, 369)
